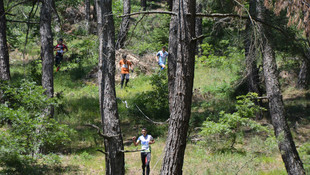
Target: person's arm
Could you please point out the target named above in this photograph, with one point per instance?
(131, 66)
(56, 48)
(136, 143)
(157, 57)
(152, 141)
(66, 48)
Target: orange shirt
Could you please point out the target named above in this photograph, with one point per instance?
(125, 66)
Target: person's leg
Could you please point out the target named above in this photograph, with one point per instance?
(147, 162)
(127, 79)
(122, 80)
(143, 157)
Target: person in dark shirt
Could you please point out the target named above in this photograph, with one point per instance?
(60, 49)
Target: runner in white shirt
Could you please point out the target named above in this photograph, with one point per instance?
(161, 57)
(145, 141)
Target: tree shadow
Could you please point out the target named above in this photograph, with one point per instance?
(35, 169)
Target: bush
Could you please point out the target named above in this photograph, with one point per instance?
(228, 127)
(26, 128)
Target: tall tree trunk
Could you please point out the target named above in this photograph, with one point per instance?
(251, 53)
(286, 144)
(87, 15)
(143, 4)
(124, 28)
(250, 47)
(115, 163)
(47, 50)
(183, 86)
(173, 48)
(199, 29)
(4, 53)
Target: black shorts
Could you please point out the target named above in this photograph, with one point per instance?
(58, 60)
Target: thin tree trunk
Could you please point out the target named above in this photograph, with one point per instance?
(87, 15)
(286, 144)
(124, 28)
(102, 50)
(115, 163)
(183, 86)
(251, 53)
(173, 48)
(47, 50)
(250, 47)
(4, 53)
(198, 29)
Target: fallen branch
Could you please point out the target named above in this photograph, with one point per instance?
(106, 136)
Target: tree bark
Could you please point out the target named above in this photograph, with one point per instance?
(47, 50)
(4, 53)
(115, 163)
(124, 28)
(173, 48)
(286, 144)
(87, 15)
(183, 86)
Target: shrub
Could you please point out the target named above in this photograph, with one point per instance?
(26, 128)
(231, 126)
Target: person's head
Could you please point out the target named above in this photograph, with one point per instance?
(124, 57)
(60, 40)
(144, 131)
(164, 48)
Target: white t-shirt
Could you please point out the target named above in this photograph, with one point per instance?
(145, 142)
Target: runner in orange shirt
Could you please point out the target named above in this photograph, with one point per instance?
(125, 67)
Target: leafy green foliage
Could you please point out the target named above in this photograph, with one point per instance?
(232, 125)
(27, 130)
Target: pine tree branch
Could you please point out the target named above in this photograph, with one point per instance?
(105, 153)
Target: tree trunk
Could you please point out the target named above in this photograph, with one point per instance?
(286, 144)
(198, 29)
(115, 163)
(250, 47)
(173, 48)
(4, 53)
(87, 15)
(124, 28)
(183, 86)
(251, 53)
(143, 4)
(47, 50)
